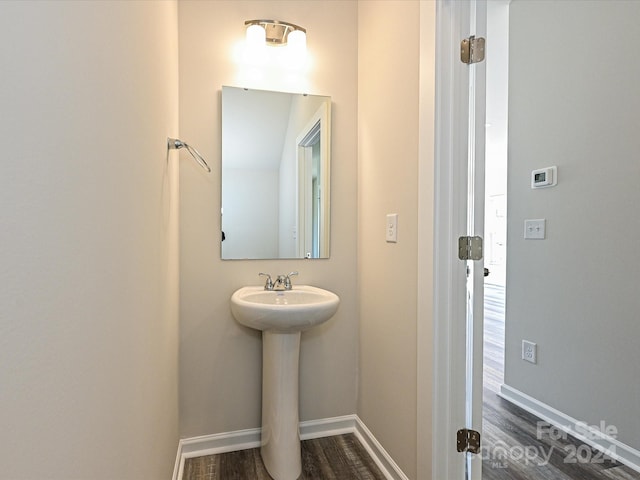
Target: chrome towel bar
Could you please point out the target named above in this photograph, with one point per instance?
(175, 144)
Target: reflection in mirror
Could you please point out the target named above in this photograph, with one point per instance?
(275, 174)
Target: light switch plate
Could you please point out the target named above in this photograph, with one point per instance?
(535, 229)
(392, 227)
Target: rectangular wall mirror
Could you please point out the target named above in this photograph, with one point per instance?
(275, 174)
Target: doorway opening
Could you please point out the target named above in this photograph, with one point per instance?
(517, 443)
(495, 234)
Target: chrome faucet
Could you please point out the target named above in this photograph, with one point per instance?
(269, 283)
(282, 282)
(287, 281)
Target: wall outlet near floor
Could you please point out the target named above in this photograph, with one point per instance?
(529, 351)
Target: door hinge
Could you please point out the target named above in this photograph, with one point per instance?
(468, 441)
(470, 248)
(472, 50)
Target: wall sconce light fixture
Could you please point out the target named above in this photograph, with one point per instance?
(276, 33)
(261, 64)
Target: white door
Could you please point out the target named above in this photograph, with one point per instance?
(460, 117)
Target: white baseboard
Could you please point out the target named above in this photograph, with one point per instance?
(214, 444)
(326, 427)
(384, 461)
(593, 437)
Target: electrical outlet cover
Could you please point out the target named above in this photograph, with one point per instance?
(529, 351)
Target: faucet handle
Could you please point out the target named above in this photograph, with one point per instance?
(287, 280)
(269, 283)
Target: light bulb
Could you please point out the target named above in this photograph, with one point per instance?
(297, 41)
(255, 45)
(256, 36)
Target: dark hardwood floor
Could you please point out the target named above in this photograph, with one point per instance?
(511, 447)
(340, 457)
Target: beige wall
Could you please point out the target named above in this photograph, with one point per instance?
(220, 362)
(89, 299)
(388, 148)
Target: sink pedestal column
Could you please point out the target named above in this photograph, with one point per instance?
(280, 432)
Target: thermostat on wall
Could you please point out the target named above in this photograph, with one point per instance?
(544, 177)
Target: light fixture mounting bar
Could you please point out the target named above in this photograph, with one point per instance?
(276, 30)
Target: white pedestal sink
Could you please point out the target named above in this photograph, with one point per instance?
(282, 316)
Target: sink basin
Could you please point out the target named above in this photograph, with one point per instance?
(285, 311)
